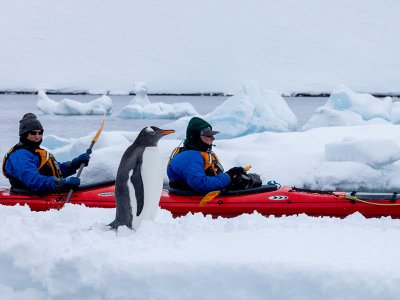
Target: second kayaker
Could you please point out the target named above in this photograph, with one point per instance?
(195, 166)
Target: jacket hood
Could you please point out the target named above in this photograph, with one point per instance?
(193, 141)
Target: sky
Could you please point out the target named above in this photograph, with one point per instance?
(289, 46)
(350, 143)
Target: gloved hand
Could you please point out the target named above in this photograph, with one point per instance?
(70, 182)
(235, 171)
(81, 159)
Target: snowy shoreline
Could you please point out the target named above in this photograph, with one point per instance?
(199, 94)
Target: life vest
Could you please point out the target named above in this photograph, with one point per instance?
(212, 166)
(48, 165)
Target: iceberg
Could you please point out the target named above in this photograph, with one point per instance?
(140, 107)
(253, 110)
(98, 106)
(348, 108)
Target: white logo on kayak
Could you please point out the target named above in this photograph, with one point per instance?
(278, 197)
(109, 194)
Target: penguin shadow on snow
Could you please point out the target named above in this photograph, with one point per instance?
(139, 180)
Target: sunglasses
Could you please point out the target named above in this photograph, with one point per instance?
(35, 132)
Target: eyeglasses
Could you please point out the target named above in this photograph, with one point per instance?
(35, 132)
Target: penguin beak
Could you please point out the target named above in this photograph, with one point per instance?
(167, 131)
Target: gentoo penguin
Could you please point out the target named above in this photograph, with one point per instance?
(139, 180)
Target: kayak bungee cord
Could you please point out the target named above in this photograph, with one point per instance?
(351, 197)
(354, 198)
(89, 150)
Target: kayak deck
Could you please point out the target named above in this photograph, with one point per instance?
(283, 202)
(268, 201)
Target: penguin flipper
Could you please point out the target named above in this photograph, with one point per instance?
(136, 180)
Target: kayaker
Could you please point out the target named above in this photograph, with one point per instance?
(195, 166)
(29, 167)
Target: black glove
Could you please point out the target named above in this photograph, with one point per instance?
(234, 172)
(81, 159)
(70, 182)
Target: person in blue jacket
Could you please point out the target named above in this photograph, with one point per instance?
(195, 166)
(29, 167)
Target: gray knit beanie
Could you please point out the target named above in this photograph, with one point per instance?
(29, 122)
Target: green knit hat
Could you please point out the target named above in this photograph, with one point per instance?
(193, 130)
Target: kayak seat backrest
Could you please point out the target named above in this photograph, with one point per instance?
(20, 191)
(261, 189)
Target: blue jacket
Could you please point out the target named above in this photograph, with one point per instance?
(188, 166)
(23, 165)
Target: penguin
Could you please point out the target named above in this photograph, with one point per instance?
(139, 180)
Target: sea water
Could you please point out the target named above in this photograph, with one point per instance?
(14, 106)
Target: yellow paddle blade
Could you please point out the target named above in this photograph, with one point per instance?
(207, 198)
(247, 168)
(99, 130)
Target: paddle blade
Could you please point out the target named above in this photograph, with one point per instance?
(207, 198)
(94, 140)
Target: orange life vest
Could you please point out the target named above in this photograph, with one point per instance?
(212, 166)
(48, 165)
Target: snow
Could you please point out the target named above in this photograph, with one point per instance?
(373, 152)
(347, 48)
(140, 107)
(99, 106)
(308, 46)
(71, 253)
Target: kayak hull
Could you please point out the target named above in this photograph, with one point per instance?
(284, 201)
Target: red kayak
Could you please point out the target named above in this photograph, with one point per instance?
(266, 200)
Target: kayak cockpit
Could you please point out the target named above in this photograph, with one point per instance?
(257, 190)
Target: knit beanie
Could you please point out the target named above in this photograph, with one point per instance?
(29, 122)
(193, 129)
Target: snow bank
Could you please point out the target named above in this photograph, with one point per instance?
(373, 152)
(251, 111)
(340, 158)
(347, 108)
(71, 254)
(98, 106)
(140, 107)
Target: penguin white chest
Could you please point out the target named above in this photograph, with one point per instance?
(152, 177)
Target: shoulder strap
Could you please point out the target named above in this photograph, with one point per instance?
(14, 148)
(212, 166)
(48, 164)
(176, 151)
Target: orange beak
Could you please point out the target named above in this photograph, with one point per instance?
(167, 131)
